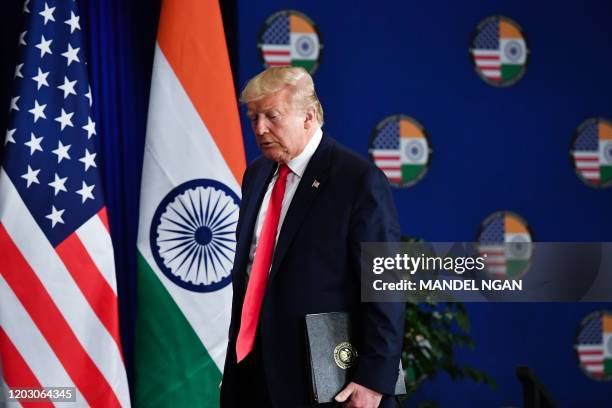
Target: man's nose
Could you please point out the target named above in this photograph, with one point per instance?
(259, 126)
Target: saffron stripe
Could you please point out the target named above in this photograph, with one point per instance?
(36, 300)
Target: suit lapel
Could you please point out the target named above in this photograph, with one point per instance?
(314, 176)
(250, 208)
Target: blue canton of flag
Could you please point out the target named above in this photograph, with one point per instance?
(488, 37)
(588, 138)
(51, 153)
(493, 233)
(388, 137)
(591, 332)
(278, 31)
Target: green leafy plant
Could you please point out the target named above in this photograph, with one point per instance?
(434, 330)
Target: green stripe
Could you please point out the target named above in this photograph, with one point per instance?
(515, 268)
(605, 174)
(607, 366)
(173, 368)
(306, 64)
(410, 172)
(509, 72)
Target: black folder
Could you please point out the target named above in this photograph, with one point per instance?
(332, 355)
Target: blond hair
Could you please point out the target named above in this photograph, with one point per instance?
(274, 79)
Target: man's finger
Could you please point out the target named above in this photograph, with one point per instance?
(345, 393)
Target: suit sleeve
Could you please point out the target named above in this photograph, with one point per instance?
(380, 325)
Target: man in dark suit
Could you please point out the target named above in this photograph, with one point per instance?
(307, 205)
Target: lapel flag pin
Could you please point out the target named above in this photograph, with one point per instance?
(316, 184)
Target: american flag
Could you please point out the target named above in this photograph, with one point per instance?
(590, 346)
(276, 47)
(58, 299)
(385, 151)
(486, 51)
(492, 248)
(586, 153)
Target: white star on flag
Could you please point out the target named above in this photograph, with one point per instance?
(41, 79)
(65, 119)
(22, 38)
(44, 46)
(18, 73)
(90, 127)
(58, 184)
(71, 55)
(34, 143)
(14, 103)
(31, 176)
(73, 22)
(38, 111)
(47, 13)
(61, 151)
(9, 136)
(55, 216)
(68, 87)
(88, 160)
(86, 192)
(25, 6)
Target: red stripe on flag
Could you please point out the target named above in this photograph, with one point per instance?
(94, 287)
(15, 370)
(277, 64)
(383, 168)
(49, 320)
(587, 159)
(104, 218)
(591, 352)
(276, 52)
(487, 57)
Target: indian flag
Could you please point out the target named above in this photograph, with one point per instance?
(605, 152)
(414, 150)
(304, 43)
(607, 344)
(513, 51)
(518, 245)
(193, 164)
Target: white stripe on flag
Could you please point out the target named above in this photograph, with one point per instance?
(387, 163)
(591, 175)
(588, 165)
(277, 58)
(385, 153)
(393, 173)
(45, 262)
(492, 73)
(276, 47)
(594, 368)
(487, 63)
(589, 358)
(32, 346)
(585, 154)
(486, 53)
(588, 347)
(96, 239)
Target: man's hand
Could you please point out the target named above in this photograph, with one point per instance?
(358, 396)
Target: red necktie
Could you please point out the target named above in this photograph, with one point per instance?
(261, 268)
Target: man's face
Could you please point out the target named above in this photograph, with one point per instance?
(281, 131)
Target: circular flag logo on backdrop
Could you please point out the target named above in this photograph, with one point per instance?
(591, 152)
(290, 38)
(593, 345)
(504, 240)
(193, 235)
(499, 51)
(400, 147)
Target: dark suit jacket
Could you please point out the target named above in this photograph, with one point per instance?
(316, 269)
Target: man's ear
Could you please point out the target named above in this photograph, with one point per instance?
(310, 119)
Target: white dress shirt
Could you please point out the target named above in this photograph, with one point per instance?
(297, 165)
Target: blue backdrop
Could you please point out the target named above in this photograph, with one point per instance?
(494, 149)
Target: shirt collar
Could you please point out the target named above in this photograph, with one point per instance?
(298, 163)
